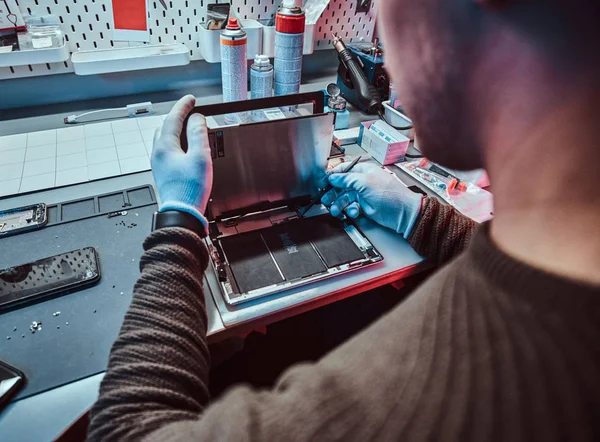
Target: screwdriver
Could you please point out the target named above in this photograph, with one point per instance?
(328, 187)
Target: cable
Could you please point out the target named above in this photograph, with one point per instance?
(133, 110)
(382, 116)
(73, 118)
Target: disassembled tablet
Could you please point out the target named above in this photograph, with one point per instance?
(264, 173)
(288, 253)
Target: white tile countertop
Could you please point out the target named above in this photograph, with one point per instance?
(58, 157)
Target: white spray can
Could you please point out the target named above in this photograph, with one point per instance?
(261, 77)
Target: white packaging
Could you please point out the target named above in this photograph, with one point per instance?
(385, 144)
(474, 202)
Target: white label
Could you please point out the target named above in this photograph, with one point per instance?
(274, 114)
(40, 43)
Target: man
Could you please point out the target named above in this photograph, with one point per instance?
(502, 343)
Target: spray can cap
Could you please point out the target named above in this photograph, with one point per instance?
(233, 23)
(291, 4)
(261, 60)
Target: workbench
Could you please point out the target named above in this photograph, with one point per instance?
(45, 415)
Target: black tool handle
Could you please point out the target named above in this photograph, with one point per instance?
(366, 93)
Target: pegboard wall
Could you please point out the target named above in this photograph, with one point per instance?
(87, 24)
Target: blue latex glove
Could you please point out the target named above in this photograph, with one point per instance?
(183, 179)
(375, 192)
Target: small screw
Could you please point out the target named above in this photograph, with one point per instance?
(58, 326)
(66, 323)
(8, 337)
(56, 236)
(22, 336)
(132, 260)
(95, 311)
(121, 292)
(14, 328)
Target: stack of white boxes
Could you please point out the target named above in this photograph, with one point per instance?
(384, 143)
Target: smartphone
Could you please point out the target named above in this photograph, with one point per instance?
(46, 277)
(21, 219)
(11, 381)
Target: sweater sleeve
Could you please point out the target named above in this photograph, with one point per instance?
(159, 364)
(440, 232)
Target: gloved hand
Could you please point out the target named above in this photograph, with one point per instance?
(183, 179)
(376, 193)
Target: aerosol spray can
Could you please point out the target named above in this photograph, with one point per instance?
(261, 82)
(289, 41)
(234, 68)
(261, 77)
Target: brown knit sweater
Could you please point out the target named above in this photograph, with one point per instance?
(487, 349)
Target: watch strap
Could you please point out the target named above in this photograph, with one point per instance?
(175, 218)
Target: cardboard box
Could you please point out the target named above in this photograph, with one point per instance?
(385, 144)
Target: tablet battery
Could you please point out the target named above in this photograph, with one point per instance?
(291, 248)
(250, 261)
(297, 249)
(332, 241)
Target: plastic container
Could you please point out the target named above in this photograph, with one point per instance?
(210, 46)
(104, 61)
(41, 37)
(35, 56)
(397, 118)
(342, 118)
(337, 104)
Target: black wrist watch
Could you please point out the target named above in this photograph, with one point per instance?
(175, 218)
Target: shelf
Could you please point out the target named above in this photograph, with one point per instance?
(34, 56)
(104, 61)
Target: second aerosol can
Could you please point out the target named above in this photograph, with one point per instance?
(234, 68)
(261, 77)
(289, 42)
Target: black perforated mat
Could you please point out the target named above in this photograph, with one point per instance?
(80, 327)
